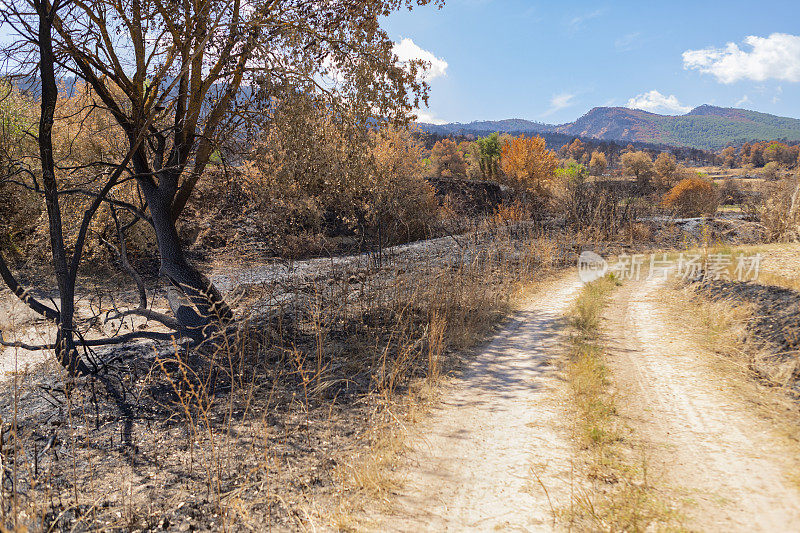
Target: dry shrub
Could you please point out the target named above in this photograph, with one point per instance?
(317, 177)
(770, 171)
(18, 206)
(401, 205)
(731, 193)
(242, 207)
(692, 197)
(640, 233)
(309, 392)
(447, 159)
(778, 211)
(597, 210)
(87, 144)
(510, 212)
(19, 209)
(529, 167)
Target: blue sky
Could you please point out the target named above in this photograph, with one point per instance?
(553, 61)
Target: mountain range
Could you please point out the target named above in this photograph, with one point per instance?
(706, 127)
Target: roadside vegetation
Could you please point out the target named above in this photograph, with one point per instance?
(377, 257)
(619, 494)
(749, 332)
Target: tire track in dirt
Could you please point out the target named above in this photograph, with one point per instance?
(724, 461)
(472, 460)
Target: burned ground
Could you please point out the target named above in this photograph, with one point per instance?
(773, 328)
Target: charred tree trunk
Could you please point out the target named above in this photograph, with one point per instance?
(65, 341)
(212, 310)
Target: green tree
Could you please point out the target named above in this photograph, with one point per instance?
(571, 172)
(490, 153)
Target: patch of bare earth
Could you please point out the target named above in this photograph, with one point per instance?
(495, 454)
(727, 465)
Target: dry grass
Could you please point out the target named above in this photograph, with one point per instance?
(720, 327)
(294, 422)
(620, 496)
(779, 280)
(724, 324)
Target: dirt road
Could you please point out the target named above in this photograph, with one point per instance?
(728, 467)
(472, 460)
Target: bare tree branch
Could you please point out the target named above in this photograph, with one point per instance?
(23, 294)
(122, 339)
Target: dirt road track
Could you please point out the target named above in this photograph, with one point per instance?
(472, 458)
(725, 462)
(472, 461)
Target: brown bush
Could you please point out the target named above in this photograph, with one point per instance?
(318, 183)
(779, 211)
(400, 203)
(86, 142)
(529, 168)
(692, 197)
(512, 212)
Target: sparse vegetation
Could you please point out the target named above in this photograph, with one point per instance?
(315, 385)
(620, 495)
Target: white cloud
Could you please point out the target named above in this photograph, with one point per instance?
(774, 57)
(559, 102)
(429, 118)
(577, 22)
(778, 93)
(407, 50)
(744, 100)
(654, 102)
(628, 42)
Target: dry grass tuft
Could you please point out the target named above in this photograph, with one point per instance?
(779, 280)
(620, 496)
(721, 325)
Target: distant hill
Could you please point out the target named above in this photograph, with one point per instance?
(511, 125)
(705, 127)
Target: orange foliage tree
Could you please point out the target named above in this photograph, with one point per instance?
(528, 165)
(577, 150)
(598, 163)
(448, 160)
